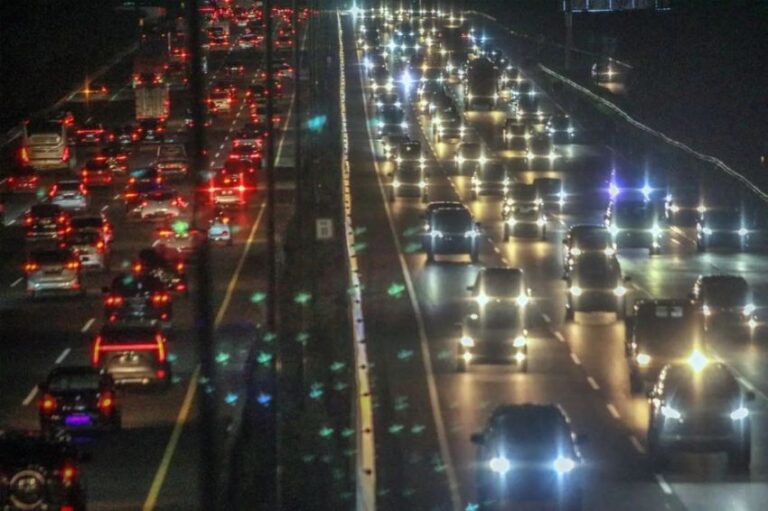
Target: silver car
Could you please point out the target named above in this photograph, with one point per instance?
(91, 248)
(53, 271)
(70, 195)
(161, 204)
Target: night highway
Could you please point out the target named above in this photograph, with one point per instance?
(375, 255)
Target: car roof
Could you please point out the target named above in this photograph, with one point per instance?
(122, 332)
(73, 369)
(528, 411)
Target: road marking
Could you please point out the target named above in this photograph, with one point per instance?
(593, 383)
(636, 444)
(613, 411)
(559, 337)
(575, 359)
(17, 282)
(665, 487)
(88, 325)
(30, 396)
(675, 241)
(181, 419)
(11, 222)
(63, 355)
(546, 318)
(445, 453)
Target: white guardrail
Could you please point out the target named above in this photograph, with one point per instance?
(365, 466)
(706, 158)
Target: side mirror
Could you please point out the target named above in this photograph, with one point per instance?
(104, 289)
(749, 396)
(582, 438)
(477, 438)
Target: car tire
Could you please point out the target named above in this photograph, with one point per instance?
(636, 384)
(740, 456)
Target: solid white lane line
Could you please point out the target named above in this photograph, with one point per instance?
(426, 356)
(88, 325)
(104, 208)
(593, 383)
(559, 337)
(665, 487)
(17, 282)
(636, 444)
(63, 355)
(30, 396)
(575, 359)
(613, 411)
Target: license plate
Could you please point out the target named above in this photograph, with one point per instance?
(78, 419)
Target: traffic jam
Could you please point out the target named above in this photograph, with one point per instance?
(451, 112)
(113, 210)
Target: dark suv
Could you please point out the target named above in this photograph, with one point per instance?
(39, 472)
(699, 408)
(450, 230)
(528, 452)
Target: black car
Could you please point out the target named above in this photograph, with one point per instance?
(586, 239)
(468, 155)
(409, 178)
(595, 285)
(167, 269)
(721, 227)
(699, 409)
(450, 230)
(528, 452)
(391, 121)
(150, 130)
(78, 398)
(684, 206)
(634, 222)
(500, 285)
(143, 298)
(552, 192)
(494, 334)
(523, 209)
(560, 128)
(493, 178)
(660, 332)
(725, 301)
(39, 472)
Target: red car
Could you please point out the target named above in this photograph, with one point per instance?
(96, 172)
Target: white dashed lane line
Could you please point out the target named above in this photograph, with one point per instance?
(593, 383)
(88, 325)
(546, 318)
(575, 359)
(30, 396)
(17, 282)
(663, 484)
(63, 355)
(636, 444)
(559, 336)
(613, 411)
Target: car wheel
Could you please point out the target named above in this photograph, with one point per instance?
(740, 456)
(636, 384)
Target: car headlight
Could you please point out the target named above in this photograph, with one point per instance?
(520, 341)
(706, 310)
(643, 359)
(707, 231)
(610, 251)
(613, 230)
(552, 155)
(482, 299)
(563, 465)
(396, 183)
(522, 300)
(460, 159)
(467, 341)
(674, 208)
(749, 309)
(575, 291)
(656, 231)
(471, 234)
(620, 291)
(743, 232)
(422, 184)
(499, 464)
(698, 361)
(739, 414)
(576, 251)
(670, 413)
(436, 234)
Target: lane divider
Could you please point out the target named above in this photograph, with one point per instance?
(365, 491)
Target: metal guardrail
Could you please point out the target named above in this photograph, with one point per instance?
(365, 480)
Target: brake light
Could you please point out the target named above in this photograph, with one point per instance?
(47, 404)
(181, 286)
(65, 154)
(106, 402)
(160, 298)
(24, 154)
(68, 474)
(30, 267)
(61, 219)
(160, 374)
(73, 265)
(180, 267)
(100, 246)
(137, 268)
(113, 301)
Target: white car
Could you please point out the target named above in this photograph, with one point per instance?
(172, 160)
(70, 195)
(221, 230)
(91, 249)
(183, 243)
(53, 271)
(161, 204)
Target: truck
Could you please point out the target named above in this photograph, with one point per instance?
(152, 101)
(45, 145)
(149, 64)
(481, 84)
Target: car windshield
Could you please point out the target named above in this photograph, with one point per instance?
(492, 172)
(596, 272)
(84, 238)
(713, 386)
(593, 239)
(634, 213)
(499, 317)
(128, 335)
(150, 124)
(561, 123)
(129, 285)
(87, 222)
(96, 165)
(726, 292)
(74, 381)
(68, 186)
(535, 436)
(452, 220)
(523, 193)
(46, 257)
(671, 330)
(160, 196)
(392, 115)
(471, 150)
(502, 283)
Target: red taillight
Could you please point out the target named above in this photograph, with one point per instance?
(137, 268)
(65, 154)
(24, 155)
(100, 246)
(113, 301)
(67, 507)
(30, 267)
(160, 298)
(68, 474)
(181, 286)
(47, 404)
(96, 350)
(106, 402)
(160, 373)
(180, 267)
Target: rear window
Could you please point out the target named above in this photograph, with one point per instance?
(470, 150)
(160, 196)
(502, 283)
(712, 385)
(96, 165)
(128, 284)
(523, 193)
(74, 381)
(452, 219)
(594, 239)
(45, 210)
(85, 223)
(118, 336)
(50, 257)
(84, 238)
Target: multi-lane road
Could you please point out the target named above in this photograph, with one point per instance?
(153, 462)
(425, 411)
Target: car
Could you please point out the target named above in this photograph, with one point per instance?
(725, 301)
(386, 98)
(492, 178)
(252, 134)
(250, 40)
(227, 189)
(500, 285)
(409, 178)
(96, 172)
(21, 179)
(220, 102)
(161, 204)
(515, 135)
(468, 155)
(172, 161)
(150, 131)
(721, 227)
(408, 152)
(529, 452)
(53, 271)
(257, 93)
(92, 249)
(584, 239)
(523, 210)
(494, 334)
(595, 284)
(70, 195)
(179, 239)
(606, 72)
(258, 113)
(449, 229)
(391, 141)
(40, 471)
(116, 157)
(135, 193)
(552, 192)
(234, 69)
(137, 299)
(448, 125)
(282, 70)
(44, 221)
(391, 121)
(132, 354)
(251, 154)
(660, 332)
(634, 222)
(560, 129)
(540, 148)
(78, 399)
(124, 136)
(169, 268)
(380, 79)
(90, 133)
(684, 206)
(92, 221)
(699, 407)
(176, 73)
